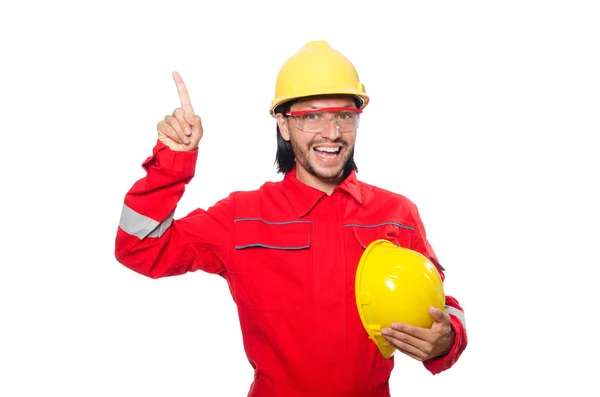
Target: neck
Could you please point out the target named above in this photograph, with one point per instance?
(324, 185)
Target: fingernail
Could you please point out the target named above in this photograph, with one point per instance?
(385, 331)
(187, 131)
(186, 139)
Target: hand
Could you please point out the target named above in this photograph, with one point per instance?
(422, 343)
(182, 130)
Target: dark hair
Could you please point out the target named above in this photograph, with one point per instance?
(285, 158)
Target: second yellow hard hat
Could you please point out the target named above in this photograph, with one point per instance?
(395, 284)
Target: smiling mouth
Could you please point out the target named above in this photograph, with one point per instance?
(328, 152)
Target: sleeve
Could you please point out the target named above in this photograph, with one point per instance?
(151, 242)
(452, 306)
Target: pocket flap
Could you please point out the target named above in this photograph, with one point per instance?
(257, 232)
(391, 231)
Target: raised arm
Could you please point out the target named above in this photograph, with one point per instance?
(149, 240)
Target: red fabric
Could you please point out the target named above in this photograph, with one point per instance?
(289, 253)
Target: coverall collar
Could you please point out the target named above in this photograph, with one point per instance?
(304, 197)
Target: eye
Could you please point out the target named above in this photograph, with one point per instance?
(312, 116)
(346, 116)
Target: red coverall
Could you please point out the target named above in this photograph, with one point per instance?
(289, 253)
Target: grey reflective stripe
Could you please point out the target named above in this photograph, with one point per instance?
(461, 316)
(240, 247)
(141, 226)
(270, 223)
(381, 224)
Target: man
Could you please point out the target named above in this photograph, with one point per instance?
(289, 250)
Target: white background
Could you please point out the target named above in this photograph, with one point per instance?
(486, 114)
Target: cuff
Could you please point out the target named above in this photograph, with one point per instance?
(179, 163)
(442, 363)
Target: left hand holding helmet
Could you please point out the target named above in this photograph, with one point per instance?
(422, 343)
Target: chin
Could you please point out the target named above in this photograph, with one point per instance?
(328, 173)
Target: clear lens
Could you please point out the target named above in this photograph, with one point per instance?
(345, 121)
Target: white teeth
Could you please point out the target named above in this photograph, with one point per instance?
(328, 149)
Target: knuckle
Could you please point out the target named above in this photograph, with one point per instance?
(163, 127)
(178, 113)
(174, 123)
(167, 130)
(428, 350)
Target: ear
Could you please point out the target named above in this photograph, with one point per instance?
(283, 125)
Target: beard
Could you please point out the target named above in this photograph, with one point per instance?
(340, 172)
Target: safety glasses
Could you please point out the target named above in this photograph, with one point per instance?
(318, 120)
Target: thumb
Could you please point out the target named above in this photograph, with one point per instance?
(438, 315)
(195, 123)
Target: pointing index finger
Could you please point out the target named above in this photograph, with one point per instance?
(184, 97)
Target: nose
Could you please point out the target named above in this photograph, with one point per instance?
(332, 131)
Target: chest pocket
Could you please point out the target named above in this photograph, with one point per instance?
(272, 260)
(395, 232)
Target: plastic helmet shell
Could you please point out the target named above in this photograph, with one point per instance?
(317, 69)
(395, 284)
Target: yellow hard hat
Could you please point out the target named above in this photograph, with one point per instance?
(317, 69)
(395, 284)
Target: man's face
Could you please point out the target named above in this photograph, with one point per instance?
(321, 154)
